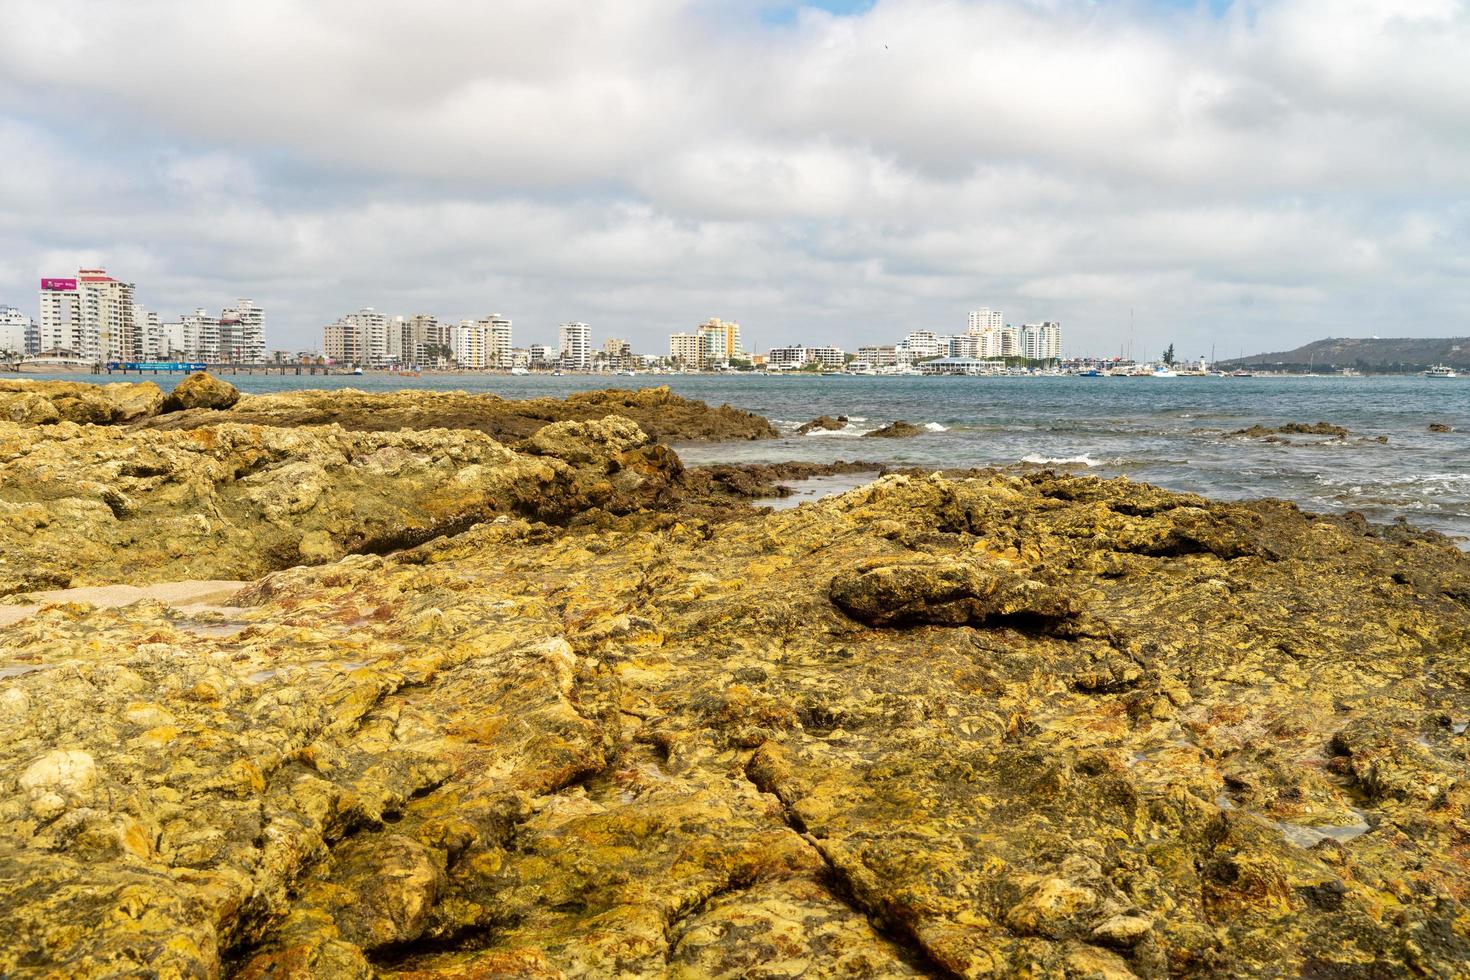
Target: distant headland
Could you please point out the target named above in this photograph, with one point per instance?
(1382, 355)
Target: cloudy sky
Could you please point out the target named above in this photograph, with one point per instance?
(1247, 175)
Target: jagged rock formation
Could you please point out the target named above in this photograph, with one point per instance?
(665, 416)
(1003, 726)
(86, 505)
(48, 402)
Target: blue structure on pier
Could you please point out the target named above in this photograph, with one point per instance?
(126, 366)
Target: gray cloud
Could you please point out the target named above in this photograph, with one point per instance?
(1287, 170)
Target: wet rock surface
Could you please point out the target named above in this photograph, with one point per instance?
(896, 430)
(1296, 428)
(48, 402)
(1005, 725)
(822, 423)
(663, 415)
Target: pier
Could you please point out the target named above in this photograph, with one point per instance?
(220, 367)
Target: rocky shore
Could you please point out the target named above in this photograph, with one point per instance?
(546, 706)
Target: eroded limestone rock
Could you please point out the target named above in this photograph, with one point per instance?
(36, 402)
(201, 390)
(662, 749)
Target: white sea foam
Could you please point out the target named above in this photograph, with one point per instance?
(936, 427)
(1039, 460)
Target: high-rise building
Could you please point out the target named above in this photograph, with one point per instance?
(922, 345)
(687, 350)
(107, 311)
(359, 338)
(16, 332)
(497, 340)
(721, 341)
(242, 333)
(469, 345)
(576, 346)
(618, 354)
(431, 339)
(986, 319)
(1041, 341)
(62, 324)
(150, 333)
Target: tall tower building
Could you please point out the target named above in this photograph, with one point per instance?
(61, 326)
(983, 321)
(242, 332)
(107, 312)
(15, 332)
(576, 346)
(497, 340)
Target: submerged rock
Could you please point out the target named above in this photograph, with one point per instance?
(201, 391)
(48, 402)
(825, 423)
(1046, 724)
(663, 415)
(1441, 427)
(897, 430)
(1296, 428)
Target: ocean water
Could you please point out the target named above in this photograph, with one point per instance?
(1175, 432)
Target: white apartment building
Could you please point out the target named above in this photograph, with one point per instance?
(89, 316)
(986, 319)
(1004, 342)
(362, 338)
(469, 345)
(788, 358)
(831, 358)
(62, 326)
(540, 354)
(242, 333)
(497, 340)
(15, 332)
(150, 334)
(963, 345)
(877, 356)
(1041, 341)
(923, 344)
(576, 346)
(687, 349)
(431, 338)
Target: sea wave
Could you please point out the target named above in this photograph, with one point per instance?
(1082, 460)
(936, 427)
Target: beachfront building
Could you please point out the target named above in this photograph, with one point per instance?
(963, 345)
(150, 332)
(617, 354)
(541, 355)
(18, 333)
(360, 338)
(89, 316)
(920, 345)
(432, 341)
(242, 333)
(686, 350)
(576, 346)
(983, 321)
(496, 340)
(830, 358)
(1003, 342)
(469, 345)
(62, 326)
(878, 356)
(721, 341)
(1041, 341)
(961, 365)
(787, 358)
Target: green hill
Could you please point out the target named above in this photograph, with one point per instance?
(1374, 354)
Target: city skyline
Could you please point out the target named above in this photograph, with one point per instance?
(821, 171)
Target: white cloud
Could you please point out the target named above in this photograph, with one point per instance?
(1276, 171)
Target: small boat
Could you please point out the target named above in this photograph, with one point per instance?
(356, 370)
(1090, 373)
(519, 370)
(1441, 371)
(1164, 372)
(1241, 373)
